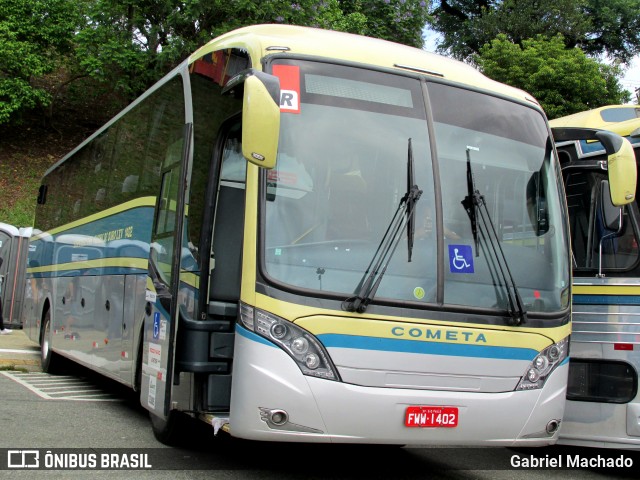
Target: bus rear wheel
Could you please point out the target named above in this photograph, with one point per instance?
(50, 361)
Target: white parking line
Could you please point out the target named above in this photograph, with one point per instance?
(24, 352)
(68, 387)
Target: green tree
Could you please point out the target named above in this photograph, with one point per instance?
(564, 80)
(129, 44)
(121, 47)
(36, 38)
(401, 21)
(597, 27)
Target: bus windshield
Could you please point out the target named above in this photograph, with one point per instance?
(341, 173)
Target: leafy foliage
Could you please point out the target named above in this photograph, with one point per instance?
(132, 43)
(563, 80)
(124, 46)
(401, 21)
(35, 38)
(596, 27)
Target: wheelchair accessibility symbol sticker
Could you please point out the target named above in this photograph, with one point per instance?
(460, 258)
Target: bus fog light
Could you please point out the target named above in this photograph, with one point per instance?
(279, 417)
(552, 426)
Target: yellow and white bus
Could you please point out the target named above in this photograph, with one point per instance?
(310, 236)
(603, 403)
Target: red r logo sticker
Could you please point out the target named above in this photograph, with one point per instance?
(289, 76)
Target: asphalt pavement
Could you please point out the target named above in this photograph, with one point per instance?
(18, 352)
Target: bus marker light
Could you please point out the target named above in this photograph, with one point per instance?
(427, 416)
(623, 346)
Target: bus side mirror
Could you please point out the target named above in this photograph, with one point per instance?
(42, 195)
(621, 160)
(260, 115)
(622, 171)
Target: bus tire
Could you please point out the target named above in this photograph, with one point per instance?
(50, 361)
(168, 431)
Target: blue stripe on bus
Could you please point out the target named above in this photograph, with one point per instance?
(409, 346)
(425, 347)
(606, 299)
(121, 234)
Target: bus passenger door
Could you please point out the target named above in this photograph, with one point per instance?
(159, 327)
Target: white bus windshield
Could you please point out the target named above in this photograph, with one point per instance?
(342, 171)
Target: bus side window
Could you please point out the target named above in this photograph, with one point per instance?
(163, 151)
(585, 201)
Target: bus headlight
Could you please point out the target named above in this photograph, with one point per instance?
(302, 346)
(541, 367)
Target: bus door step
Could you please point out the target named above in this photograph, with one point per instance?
(218, 422)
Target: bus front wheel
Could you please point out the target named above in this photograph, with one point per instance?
(170, 430)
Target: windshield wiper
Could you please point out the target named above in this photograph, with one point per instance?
(476, 207)
(403, 217)
(411, 201)
(472, 200)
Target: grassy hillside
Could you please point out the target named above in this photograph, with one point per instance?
(25, 154)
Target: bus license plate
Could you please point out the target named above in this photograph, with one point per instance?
(420, 416)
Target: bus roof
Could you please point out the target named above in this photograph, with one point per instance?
(602, 117)
(261, 40)
(621, 119)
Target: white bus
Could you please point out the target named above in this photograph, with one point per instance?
(309, 236)
(603, 403)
